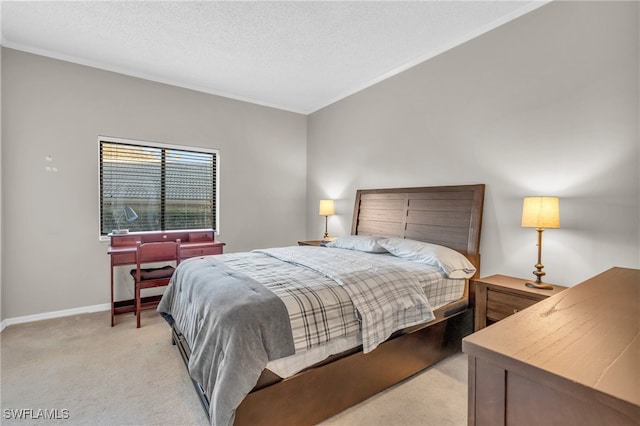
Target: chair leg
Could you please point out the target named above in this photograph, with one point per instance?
(138, 305)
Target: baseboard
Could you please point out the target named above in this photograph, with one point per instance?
(55, 314)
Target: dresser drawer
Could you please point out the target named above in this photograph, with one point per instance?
(199, 251)
(500, 305)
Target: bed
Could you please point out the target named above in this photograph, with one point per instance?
(304, 380)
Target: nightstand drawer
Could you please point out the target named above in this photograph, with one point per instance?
(199, 251)
(500, 305)
(499, 296)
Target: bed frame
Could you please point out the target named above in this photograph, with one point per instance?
(446, 215)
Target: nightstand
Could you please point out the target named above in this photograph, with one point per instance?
(310, 243)
(499, 296)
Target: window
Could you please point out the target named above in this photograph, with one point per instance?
(167, 187)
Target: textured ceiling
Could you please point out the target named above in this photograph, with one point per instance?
(298, 56)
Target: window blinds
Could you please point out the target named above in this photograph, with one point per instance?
(168, 188)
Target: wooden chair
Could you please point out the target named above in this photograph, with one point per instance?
(168, 251)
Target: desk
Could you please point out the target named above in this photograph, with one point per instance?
(122, 251)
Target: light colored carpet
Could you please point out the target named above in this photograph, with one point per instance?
(128, 376)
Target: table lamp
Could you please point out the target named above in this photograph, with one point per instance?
(540, 213)
(129, 215)
(326, 210)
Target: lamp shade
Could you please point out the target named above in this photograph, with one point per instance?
(129, 214)
(326, 208)
(541, 212)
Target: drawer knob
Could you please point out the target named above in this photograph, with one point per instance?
(515, 311)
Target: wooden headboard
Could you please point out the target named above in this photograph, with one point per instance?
(447, 215)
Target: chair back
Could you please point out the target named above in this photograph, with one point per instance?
(165, 251)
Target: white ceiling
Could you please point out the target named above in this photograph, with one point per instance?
(298, 56)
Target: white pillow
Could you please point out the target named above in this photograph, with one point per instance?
(453, 263)
(364, 243)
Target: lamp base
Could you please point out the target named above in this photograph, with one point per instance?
(540, 286)
(119, 231)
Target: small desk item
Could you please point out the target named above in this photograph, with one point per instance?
(499, 296)
(122, 251)
(571, 359)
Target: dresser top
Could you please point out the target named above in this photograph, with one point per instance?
(588, 334)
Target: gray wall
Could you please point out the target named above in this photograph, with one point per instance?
(544, 105)
(52, 257)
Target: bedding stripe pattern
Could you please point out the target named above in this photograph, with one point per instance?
(319, 310)
(386, 297)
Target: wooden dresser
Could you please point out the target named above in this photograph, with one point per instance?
(571, 359)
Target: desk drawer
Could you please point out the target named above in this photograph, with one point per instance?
(118, 259)
(186, 253)
(201, 236)
(500, 305)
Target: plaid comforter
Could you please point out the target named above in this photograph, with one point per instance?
(319, 310)
(386, 298)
